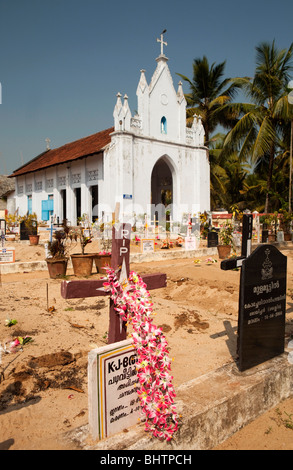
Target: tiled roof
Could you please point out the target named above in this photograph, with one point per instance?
(80, 148)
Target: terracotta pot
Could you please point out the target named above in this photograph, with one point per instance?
(82, 264)
(224, 251)
(101, 262)
(56, 267)
(287, 237)
(34, 239)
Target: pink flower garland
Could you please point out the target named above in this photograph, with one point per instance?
(155, 389)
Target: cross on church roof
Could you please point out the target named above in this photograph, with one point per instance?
(162, 41)
(48, 143)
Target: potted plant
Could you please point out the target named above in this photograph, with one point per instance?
(57, 250)
(103, 258)
(102, 261)
(82, 263)
(226, 241)
(12, 222)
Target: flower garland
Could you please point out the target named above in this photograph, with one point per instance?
(155, 389)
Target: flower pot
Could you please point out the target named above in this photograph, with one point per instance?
(224, 251)
(287, 237)
(56, 267)
(34, 239)
(272, 237)
(82, 264)
(101, 262)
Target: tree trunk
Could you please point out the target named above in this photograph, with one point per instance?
(269, 180)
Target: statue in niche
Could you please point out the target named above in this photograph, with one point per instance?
(198, 128)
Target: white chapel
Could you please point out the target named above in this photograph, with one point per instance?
(147, 162)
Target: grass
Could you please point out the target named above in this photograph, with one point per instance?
(286, 421)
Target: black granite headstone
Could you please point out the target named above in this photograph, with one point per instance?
(25, 230)
(264, 236)
(262, 306)
(213, 239)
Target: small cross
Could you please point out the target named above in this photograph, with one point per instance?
(162, 42)
(189, 225)
(232, 263)
(48, 143)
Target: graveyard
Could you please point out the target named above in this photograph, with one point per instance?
(46, 379)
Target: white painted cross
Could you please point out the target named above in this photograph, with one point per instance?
(163, 43)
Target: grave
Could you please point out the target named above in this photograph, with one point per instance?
(264, 233)
(113, 401)
(262, 300)
(25, 231)
(190, 243)
(112, 408)
(147, 245)
(192, 239)
(2, 227)
(7, 255)
(262, 307)
(93, 288)
(280, 236)
(213, 239)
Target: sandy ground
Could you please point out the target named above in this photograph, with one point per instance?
(43, 389)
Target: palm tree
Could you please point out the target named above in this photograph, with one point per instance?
(211, 96)
(258, 134)
(228, 176)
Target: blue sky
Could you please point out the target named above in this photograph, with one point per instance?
(62, 62)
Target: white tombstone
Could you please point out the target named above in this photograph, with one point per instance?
(113, 400)
(7, 255)
(190, 243)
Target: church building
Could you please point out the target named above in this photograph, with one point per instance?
(147, 162)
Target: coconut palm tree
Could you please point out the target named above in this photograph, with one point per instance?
(211, 96)
(228, 176)
(259, 132)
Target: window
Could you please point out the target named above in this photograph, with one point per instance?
(63, 203)
(48, 207)
(30, 204)
(95, 202)
(78, 202)
(164, 125)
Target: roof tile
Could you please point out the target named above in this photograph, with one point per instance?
(80, 148)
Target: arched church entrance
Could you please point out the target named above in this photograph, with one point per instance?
(161, 190)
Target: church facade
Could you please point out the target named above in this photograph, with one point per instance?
(147, 162)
